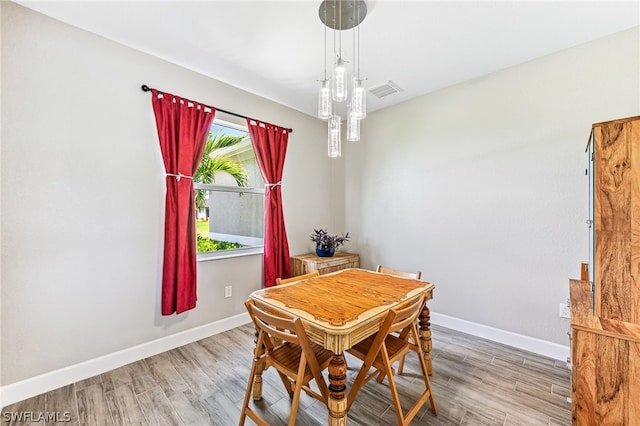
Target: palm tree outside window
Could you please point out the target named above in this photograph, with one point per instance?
(229, 194)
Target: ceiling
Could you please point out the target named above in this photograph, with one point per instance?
(275, 48)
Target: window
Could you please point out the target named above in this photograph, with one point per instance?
(229, 192)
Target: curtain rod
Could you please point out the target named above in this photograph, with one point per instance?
(146, 88)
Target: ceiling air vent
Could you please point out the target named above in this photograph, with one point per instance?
(386, 89)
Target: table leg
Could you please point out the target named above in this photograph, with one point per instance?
(337, 391)
(257, 383)
(425, 337)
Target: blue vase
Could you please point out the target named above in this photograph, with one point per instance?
(325, 253)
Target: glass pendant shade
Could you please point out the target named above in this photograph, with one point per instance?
(334, 142)
(343, 86)
(353, 128)
(358, 99)
(324, 101)
(340, 81)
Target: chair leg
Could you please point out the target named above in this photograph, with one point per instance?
(287, 384)
(247, 394)
(427, 382)
(401, 366)
(405, 419)
(296, 391)
(432, 401)
(394, 393)
(383, 374)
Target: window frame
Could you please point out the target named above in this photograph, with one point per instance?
(239, 252)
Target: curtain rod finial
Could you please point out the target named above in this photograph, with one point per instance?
(145, 88)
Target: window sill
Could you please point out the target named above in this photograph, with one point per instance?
(227, 254)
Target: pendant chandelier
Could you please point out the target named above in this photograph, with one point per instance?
(343, 86)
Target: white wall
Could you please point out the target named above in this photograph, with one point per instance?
(482, 186)
(83, 196)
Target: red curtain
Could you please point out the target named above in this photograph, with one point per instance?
(270, 145)
(182, 129)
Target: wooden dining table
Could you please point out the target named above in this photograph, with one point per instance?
(341, 309)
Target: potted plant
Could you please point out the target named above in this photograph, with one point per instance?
(326, 244)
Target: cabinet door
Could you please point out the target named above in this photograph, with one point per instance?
(617, 220)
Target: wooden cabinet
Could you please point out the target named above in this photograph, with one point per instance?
(605, 313)
(310, 262)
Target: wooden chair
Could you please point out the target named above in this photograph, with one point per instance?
(381, 350)
(296, 359)
(297, 278)
(398, 273)
(404, 274)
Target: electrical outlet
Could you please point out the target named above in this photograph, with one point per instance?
(565, 311)
(228, 292)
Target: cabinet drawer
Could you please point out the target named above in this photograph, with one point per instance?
(310, 262)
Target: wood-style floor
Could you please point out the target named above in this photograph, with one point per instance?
(475, 382)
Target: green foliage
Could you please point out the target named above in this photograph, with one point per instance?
(210, 164)
(207, 244)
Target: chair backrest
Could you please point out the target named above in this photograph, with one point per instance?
(406, 314)
(278, 326)
(398, 273)
(397, 319)
(273, 324)
(297, 278)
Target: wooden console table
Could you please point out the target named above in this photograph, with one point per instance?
(306, 263)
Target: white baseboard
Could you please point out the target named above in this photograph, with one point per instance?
(37, 385)
(33, 386)
(531, 344)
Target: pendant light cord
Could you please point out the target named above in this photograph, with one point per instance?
(325, 44)
(340, 27)
(353, 42)
(334, 29)
(358, 34)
